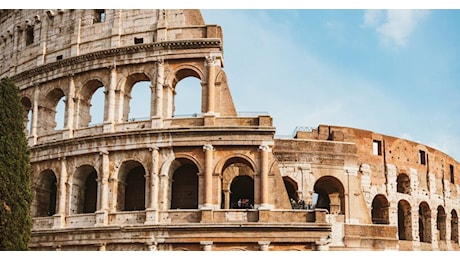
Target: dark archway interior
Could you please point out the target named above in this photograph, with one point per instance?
(185, 187)
(242, 192)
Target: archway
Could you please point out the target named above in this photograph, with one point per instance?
(185, 186)
(84, 190)
(424, 222)
(291, 189)
(242, 192)
(404, 220)
(454, 226)
(45, 194)
(187, 98)
(403, 184)
(379, 212)
(330, 193)
(131, 186)
(441, 223)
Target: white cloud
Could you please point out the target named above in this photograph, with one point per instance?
(396, 26)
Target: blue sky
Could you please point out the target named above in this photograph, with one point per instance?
(394, 72)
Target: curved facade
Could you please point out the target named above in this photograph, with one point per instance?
(211, 180)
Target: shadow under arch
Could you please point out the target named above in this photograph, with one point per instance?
(84, 190)
(424, 222)
(45, 194)
(291, 189)
(131, 186)
(380, 210)
(331, 195)
(404, 220)
(454, 226)
(237, 182)
(184, 186)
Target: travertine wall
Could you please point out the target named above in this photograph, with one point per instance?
(173, 183)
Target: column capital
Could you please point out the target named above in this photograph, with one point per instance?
(208, 147)
(154, 148)
(264, 147)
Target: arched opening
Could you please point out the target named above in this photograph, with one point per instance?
(242, 192)
(97, 107)
(404, 220)
(91, 104)
(84, 190)
(424, 222)
(131, 186)
(139, 104)
(233, 168)
(136, 98)
(60, 114)
(291, 189)
(27, 114)
(454, 226)
(330, 194)
(379, 211)
(50, 118)
(403, 184)
(188, 95)
(185, 186)
(45, 194)
(441, 223)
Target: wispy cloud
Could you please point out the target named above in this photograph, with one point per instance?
(394, 26)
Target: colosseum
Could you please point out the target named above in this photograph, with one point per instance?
(218, 180)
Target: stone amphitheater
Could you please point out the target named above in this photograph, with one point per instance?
(213, 181)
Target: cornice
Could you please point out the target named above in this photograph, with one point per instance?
(156, 46)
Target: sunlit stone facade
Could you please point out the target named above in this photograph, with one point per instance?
(214, 180)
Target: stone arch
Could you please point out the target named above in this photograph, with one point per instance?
(84, 191)
(85, 101)
(47, 111)
(127, 88)
(45, 196)
(424, 222)
(27, 104)
(403, 184)
(441, 218)
(454, 226)
(231, 168)
(380, 210)
(172, 79)
(291, 189)
(184, 186)
(131, 186)
(404, 220)
(331, 194)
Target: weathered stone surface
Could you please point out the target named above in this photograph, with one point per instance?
(175, 183)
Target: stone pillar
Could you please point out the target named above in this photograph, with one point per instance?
(159, 89)
(208, 161)
(109, 124)
(211, 63)
(70, 108)
(264, 200)
(59, 220)
(102, 213)
(152, 207)
(227, 199)
(33, 127)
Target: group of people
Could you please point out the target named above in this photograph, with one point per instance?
(300, 204)
(244, 204)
